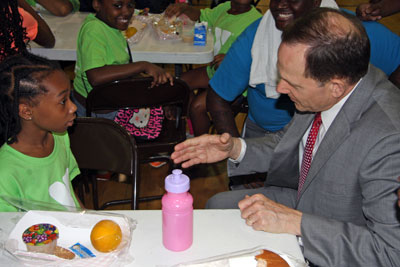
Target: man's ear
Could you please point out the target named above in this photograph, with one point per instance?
(338, 87)
(25, 111)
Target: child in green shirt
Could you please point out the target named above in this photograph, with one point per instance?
(227, 21)
(103, 53)
(36, 162)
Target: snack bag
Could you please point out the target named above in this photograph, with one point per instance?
(135, 31)
(200, 33)
(167, 28)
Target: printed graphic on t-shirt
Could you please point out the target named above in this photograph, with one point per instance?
(61, 192)
(220, 38)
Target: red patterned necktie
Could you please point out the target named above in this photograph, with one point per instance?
(308, 149)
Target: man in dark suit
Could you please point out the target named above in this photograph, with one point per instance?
(332, 173)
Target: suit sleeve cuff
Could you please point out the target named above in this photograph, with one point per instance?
(242, 152)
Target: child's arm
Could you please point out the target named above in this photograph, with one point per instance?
(375, 10)
(111, 73)
(217, 61)
(44, 36)
(182, 8)
(57, 7)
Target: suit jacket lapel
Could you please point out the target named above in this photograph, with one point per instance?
(341, 126)
(284, 167)
(335, 136)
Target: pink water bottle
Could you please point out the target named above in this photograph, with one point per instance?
(177, 212)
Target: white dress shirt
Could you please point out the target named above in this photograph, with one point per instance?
(327, 117)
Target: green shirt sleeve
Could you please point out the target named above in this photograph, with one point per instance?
(8, 187)
(93, 47)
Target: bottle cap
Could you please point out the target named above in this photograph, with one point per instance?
(177, 182)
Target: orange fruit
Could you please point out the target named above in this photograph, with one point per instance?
(131, 31)
(106, 235)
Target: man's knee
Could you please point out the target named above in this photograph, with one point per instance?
(222, 201)
(230, 199)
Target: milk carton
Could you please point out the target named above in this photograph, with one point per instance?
(200, 33)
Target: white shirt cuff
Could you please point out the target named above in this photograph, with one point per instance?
(242, 152)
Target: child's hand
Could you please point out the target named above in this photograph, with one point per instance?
(175, 10)
(217, 61)
(159, 75)
(368, 11)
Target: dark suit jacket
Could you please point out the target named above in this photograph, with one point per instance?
(350, 216)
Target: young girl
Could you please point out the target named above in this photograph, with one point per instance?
(227, 22)
(103, 54)
(36, 163)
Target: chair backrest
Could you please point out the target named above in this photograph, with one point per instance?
(137, 93)
(215, 3)
(102, 144)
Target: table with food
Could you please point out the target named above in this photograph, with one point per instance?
(151, 37)
(134, 238)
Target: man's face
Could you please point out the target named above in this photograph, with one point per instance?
(286, 11)
(306, 93)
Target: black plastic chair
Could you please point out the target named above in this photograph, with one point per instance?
(137, 93)
(102, 144)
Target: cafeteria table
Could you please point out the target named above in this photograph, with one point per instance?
(216, 232)
(149, 48)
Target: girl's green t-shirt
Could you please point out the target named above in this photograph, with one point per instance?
(43, 183)
(98, 45)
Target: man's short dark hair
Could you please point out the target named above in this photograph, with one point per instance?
(336, 49)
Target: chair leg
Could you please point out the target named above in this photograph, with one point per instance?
(79, 184)
(135, 183)
(94, 191)
(134, 193)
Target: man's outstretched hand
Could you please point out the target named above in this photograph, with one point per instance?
(206, 149)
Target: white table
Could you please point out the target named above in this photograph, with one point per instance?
(216, 232)
(150, 48)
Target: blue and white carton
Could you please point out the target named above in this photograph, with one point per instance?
(200, 33)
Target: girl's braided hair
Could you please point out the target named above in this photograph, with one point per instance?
(12, 34)
(21, 77)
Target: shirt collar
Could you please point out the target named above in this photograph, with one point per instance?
(328, 116)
